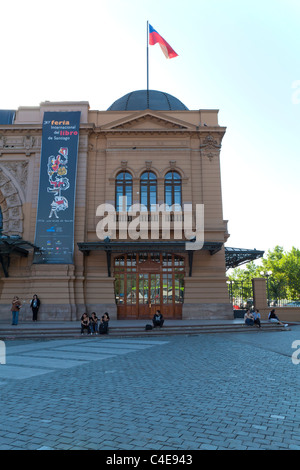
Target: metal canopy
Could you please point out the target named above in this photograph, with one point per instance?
(158, 247)
(233, 256)
(236, 256)
(170, 246)
(15, 245)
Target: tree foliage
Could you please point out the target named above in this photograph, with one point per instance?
(284, 282)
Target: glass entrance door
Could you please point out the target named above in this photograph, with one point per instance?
(149, 294)
(145, 283)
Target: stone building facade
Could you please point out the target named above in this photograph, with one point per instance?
(149, 147)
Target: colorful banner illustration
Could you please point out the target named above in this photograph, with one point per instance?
(54, 234)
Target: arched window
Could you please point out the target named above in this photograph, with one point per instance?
(148, 189)
(123, 189)
(173, 189)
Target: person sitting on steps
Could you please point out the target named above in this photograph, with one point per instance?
(257, 318)
(103, 327)
(248, 317)
(94, 323)
(158, 319)
(274, 319)
(85, 324)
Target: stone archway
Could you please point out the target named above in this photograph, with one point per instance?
(11, 205)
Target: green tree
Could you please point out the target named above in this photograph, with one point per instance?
(278, 280)
(284, 282)
(241, 282)
(291, 267)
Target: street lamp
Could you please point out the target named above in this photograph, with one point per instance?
(267, 274)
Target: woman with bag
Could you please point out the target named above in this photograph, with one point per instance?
(15, 307)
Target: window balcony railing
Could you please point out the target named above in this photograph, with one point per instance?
(150, 217)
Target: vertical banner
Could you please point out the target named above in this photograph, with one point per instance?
(54, 233)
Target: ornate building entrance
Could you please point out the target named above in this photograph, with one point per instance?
(145, 282)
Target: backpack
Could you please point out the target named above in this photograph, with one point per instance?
(103, 328)
(148, 327)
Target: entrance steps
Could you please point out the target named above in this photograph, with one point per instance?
(61, 330)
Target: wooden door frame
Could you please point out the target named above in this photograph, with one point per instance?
(148, 267)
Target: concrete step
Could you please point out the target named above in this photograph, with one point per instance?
(27, 332)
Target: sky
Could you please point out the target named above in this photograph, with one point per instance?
(240, 57)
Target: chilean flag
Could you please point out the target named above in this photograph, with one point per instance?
(155, 37)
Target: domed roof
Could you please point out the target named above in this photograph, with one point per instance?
(147, 99)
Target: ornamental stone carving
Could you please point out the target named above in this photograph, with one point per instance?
(28, 142)
(11, 205)
(210, 147)
(18, 171)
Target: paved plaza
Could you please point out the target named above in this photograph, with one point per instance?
(187, 392)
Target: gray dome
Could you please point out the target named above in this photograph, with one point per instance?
(151, 99)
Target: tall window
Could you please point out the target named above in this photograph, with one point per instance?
(123, 188)
(173, 189)
(148, 190)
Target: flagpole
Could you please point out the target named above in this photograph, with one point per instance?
(147, 57)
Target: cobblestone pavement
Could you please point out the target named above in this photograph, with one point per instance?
(209, 391)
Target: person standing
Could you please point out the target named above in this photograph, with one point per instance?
(15, 308)
(35, 305)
